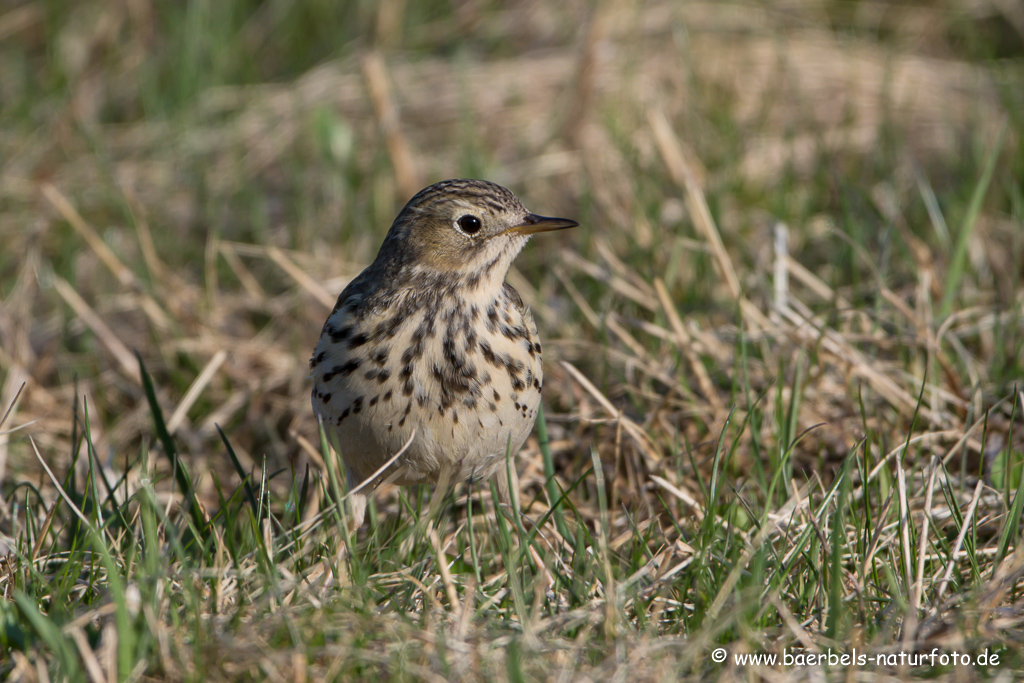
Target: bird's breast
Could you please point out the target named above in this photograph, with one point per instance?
(464, 372)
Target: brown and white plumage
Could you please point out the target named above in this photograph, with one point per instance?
(431, 338)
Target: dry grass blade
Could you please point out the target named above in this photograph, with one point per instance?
(375, 73)
(446, 576)
(92, 664)
(917, 590)
(57, 485)
(675, 161)
(301, 277)
(642, 440)
(14, 378)
(249, 283)
(107, 337)
(815, 283)
(958, 544)
(685, 497)
(196, 390)
(372, 479)
(672, 155)
(12, 405)
(149, 252)
(617, 283)
(902, 495)
(20, 19)
(75, 220)
(836, 344)
(686, 344)
(797, 629)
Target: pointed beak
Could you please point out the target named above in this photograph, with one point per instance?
(534, 224)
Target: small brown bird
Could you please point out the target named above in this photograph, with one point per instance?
(429, 354)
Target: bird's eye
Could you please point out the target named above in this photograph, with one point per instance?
(470, 224)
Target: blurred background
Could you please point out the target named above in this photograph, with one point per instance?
(196, 181)
(801, 250)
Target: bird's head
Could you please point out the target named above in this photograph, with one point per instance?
(465, 227)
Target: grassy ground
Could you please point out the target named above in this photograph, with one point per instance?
(783, 352)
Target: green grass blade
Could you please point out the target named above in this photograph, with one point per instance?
(551, 486)
(959, 259)
(249, 493)
(191, 504)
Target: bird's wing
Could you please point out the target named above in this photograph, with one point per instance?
(517, 301)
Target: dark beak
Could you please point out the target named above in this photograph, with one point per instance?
(533, 224)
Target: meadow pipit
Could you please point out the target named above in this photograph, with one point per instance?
(429, 343)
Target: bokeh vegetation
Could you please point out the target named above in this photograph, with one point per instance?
(783, 351)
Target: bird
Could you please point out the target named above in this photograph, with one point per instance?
(428, 369)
